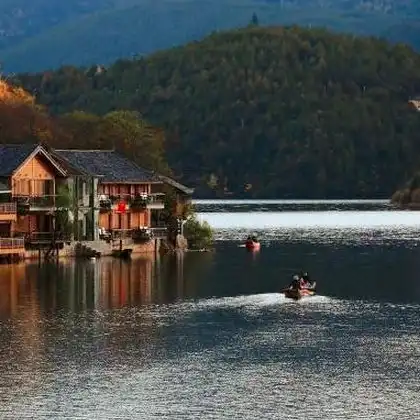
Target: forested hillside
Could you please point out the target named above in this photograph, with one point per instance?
(40, 34)
(265, 112)
(24, 121)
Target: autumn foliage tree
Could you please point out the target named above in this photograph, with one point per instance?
(23, 121)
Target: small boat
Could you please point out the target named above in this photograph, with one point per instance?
(297, 294)
(122, 253)
(252, 243)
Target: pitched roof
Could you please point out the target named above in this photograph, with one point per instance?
(177, 185)
(12, 156)
(107, 164)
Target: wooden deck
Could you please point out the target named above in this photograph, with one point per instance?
(10, 246)
(8, 212)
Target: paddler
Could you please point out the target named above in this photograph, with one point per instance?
(295, 284)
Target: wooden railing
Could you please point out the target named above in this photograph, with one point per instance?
(36, 201)
(157, 232)
(47, 237)
(8, 208)
(134, 200)
(12, 243)
(43, 237)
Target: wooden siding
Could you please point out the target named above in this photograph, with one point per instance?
(27, 224)
(30, 178)
(131, 220)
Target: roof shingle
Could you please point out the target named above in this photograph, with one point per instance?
(107, 164)
(13, 155)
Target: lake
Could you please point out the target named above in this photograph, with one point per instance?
(207, 335)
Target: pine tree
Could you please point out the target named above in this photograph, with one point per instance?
(254, 20)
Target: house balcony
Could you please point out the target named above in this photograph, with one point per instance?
(26, 204)
(150, 202)
(105, 204)
(156, 201)
(8, 212)
(10, 246)
(135, 202)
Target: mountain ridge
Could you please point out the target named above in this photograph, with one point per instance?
(265, 112)
(101, 31)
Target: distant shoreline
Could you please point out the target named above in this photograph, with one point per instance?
(287, 201)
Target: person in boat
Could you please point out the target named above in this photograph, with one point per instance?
(304, 280)
(295, 284)
(308, 283)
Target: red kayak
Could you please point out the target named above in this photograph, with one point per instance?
(252, 245)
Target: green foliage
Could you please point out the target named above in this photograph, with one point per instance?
(199, 234)
(409, 196)
(264, 112)
(123, 130)
(171, 215)
(41, 34)
(63, 200)
(63, 223)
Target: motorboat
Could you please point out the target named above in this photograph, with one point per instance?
(297, 293)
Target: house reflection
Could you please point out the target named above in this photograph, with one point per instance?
(124, 283)
(17, 293)
(10, 277)
(108, 283)
(19, 308)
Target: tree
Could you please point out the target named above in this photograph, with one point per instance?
(198, 234)
(123, 130)
(294, 112)
(254, 20)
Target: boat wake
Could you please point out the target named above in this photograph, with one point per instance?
(258, 301)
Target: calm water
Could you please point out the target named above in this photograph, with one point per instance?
(207, 336)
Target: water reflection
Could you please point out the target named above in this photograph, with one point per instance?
(11, 283)
(75, 286)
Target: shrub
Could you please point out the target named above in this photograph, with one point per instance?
(199, 234)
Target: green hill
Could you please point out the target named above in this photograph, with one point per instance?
(266, 112)
(40, 34)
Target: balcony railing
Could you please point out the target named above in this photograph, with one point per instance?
(145, 233)
(159, 232)
(35, 201)
(12, 243)
(8, 208)
(105, 204)
(137, 201)
(43, 237)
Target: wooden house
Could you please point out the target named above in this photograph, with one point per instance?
(30, 176)
(122, 199)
